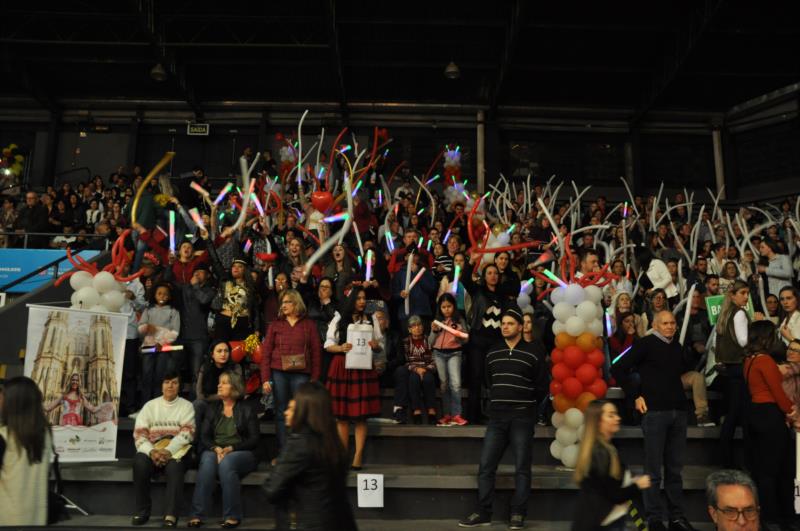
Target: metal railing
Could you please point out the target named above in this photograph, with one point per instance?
(14, 236)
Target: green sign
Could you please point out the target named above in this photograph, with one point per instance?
(714, 307)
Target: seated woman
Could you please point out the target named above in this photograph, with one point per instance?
(422, 372)
(311, 471)
(218, 362)
(230, 435)
(163, 433)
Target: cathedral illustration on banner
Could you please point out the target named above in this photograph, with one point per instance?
(74, 368)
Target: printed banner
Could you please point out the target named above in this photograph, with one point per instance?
(75, 356)
(714, 306)
(16, 263)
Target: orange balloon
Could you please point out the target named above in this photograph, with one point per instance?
(564, 340)
(598, 343)
(584, 399)
(586, 341)
(561, 403)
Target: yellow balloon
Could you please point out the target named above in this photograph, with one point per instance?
(498, 228)
(19, 158)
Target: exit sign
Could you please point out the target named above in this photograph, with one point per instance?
(197, 129)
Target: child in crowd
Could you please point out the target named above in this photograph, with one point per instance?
(422, 371)
(159, 325)
(447, 347)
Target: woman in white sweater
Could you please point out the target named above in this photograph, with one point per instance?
(25, 453)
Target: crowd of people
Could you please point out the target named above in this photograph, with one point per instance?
(225, 283)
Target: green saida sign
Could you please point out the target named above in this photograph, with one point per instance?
(714, 307)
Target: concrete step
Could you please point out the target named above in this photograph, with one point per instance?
(105, 521)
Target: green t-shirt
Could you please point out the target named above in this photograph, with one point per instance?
(225, 433)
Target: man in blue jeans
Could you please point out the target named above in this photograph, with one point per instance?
(659, 361)
(516, 374)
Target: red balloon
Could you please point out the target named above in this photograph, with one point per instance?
(237, 351)
(561, 372)
(321, 200)
(586, 373)
(574, 357)
(555, 388)
(598, 388)
(557, 356)
(572, 388)
(596, 358)
(257, 354)
(253, 383)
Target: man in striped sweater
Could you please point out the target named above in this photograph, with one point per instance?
(516, 375)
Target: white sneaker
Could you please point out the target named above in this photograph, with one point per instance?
(134, 414)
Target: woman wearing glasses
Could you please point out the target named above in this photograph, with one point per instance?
(290, 355)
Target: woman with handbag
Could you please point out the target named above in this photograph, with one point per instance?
(291, 355)
(355, 392)
(25, 452)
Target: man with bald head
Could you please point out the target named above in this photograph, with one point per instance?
(658, 358)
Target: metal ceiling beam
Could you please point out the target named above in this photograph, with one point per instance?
(512, 37)
(336, 55)
(477, 22)
(685, 43)
(16, 69)
(60, 42)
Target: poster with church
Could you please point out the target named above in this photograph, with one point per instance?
(75, 356)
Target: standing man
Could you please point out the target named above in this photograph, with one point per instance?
(658, 358)
(32, 218)
(516, 374)
(732, 501)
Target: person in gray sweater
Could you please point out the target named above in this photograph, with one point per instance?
(159, 325)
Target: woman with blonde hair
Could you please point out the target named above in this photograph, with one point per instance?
(605, 484)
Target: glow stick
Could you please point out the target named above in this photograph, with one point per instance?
(456, 276)
(407, 303)
(197, 219)
(369, 265)
(608, 324)
(223, 193)
(429, 245)
(465, 194)
(358, 240)
(419, 243)
(247, 246)
(270, 279)
(549, 274)
(525, 283)
(453, 331)
(429, 181)
(355, 191)
(164, 348)
(380, 197)
(625, 210)
(239, 191)
(360, 262)
(511, 228)
(420, 211)
(199, 189)
(416, 278)
(172, 231)
(337, 217)
(447, 236)
(620, 355)
(260, 209)
(389, 241)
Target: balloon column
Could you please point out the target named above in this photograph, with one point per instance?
(452, 165)
(12, 162)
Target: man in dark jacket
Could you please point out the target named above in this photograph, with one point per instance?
(32, 218)
(516, 375)
(658, 358)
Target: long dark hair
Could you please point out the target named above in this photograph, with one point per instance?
(313, 412)
(761, 339)
(782, 315)
(620, 332)
(452, 300)
(23, 414)
(346, 311)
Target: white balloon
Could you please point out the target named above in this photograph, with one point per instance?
(574, 294)
(559, 327)
(74, 298)
(104, 282)
(74, 307)
(587, 310)
(557, 420)
(569, 455)
(575, 326)
(573, 417)
(593, 293)
(98, 308)
(595, 327)
(566, 435)
(581, 429)
(503, 239)
(563, 311)
(558, 295)
(113, 300)
(555, 449)
(80, 279)
(599, 310)
(87, 297)
(523, 300)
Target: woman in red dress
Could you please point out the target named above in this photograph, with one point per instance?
(355, 392)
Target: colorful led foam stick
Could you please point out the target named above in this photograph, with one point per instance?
(247, 245)
(389, 241)
(223, 193)
(197, 219)
(456, 276)
(336, 217)
(172, 231)
(369, 265)
(257, 203)
(453, 331)
(447, 236)
(199, 189)
(549, 274)
(416, 279)
(620, 355)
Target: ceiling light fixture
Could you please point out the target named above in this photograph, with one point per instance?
(158, 73)
(451, 71)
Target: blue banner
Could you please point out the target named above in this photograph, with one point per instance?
(16, 263)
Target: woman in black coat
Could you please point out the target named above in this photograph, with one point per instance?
(605, 490)
(310, 476)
